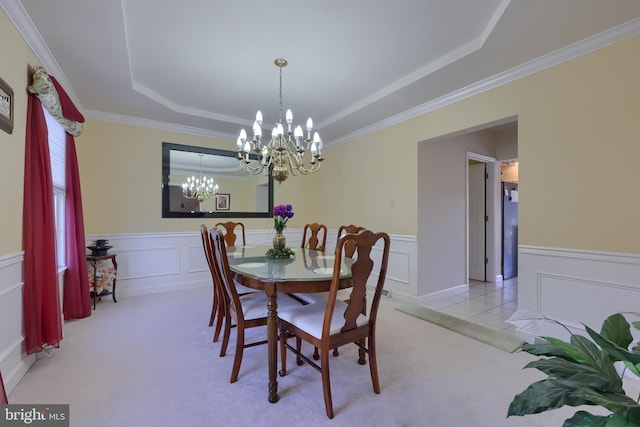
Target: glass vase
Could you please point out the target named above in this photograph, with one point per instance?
(279, 241)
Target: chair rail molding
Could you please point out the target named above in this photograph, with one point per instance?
(576, 286)
(157, 262)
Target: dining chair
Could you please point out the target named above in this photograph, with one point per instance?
(316, 231)
(341, 322)
(321, 297)
(348, 229)
(230, 232)
(217, 306)
(247, 311)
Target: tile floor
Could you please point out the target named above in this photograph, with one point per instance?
(487, 304)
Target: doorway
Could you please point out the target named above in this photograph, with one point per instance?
(482, 218)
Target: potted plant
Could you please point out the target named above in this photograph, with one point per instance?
(582, 372)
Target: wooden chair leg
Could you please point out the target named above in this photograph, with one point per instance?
(362, 354)
(214, 308)
(283, 354)
(299, 361)
(316, 355)
(373, 365)
(225, 337)
(326, 382)
(220, 321)
(237, 361)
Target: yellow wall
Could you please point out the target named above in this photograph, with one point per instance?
(121, 176)
(15, 55)
(578, 147)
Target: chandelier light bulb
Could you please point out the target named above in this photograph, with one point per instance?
(289, 119)
(257, 130)
(259, 118)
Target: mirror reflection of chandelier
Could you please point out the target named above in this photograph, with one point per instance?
(285, 151)
(199, 188)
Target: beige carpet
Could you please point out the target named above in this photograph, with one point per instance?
(149, 361)
(502, 340)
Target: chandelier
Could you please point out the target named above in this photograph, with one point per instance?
(199, 188)
(285, 151)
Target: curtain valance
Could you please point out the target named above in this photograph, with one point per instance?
(56, 101)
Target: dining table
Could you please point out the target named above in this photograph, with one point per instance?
(307, 271)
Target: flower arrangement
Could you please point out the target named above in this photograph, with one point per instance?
(282, 214)
(285, 253)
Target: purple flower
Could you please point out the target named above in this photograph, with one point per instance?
(281, 214)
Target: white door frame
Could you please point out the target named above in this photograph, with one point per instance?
(493, 212)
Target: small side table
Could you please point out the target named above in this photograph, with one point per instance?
(94, 260)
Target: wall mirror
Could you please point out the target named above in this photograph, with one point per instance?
(240, 195)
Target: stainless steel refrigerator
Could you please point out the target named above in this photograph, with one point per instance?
(509, 230)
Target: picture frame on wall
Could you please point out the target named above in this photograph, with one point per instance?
(6, 107)
(223, 202)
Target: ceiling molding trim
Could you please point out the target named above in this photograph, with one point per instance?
(24, 25)
(156, 97)
(433, 66)
(493, 21)
(154, 124)
(572, 51)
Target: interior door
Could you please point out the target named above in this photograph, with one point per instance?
(477, 222)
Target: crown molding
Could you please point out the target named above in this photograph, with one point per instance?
(170, 127)
(29, 33)
(24, 25)
(572, 51)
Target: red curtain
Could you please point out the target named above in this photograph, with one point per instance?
(77, 301)
(41, 300)
(3, 394)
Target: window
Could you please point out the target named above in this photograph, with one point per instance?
(57, 143)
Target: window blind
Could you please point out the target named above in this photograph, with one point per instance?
(57, 143)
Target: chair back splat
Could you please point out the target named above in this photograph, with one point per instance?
(348, 229)
(339, 322)
(230, 232)
(317, 237)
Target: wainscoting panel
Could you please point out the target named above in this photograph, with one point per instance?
(14, 363)
(577, 287)
(173, 261)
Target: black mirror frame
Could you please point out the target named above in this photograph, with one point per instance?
(166, 169)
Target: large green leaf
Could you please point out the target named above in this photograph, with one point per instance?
(613, 349)
(619, 404)
(620, 421)
(617, 330)
(544, 349)
(581, 375)
(579, 350)
(545, 395)
(585, 419)
(595, 357)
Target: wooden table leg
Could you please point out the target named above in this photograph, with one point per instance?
(272, 338)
